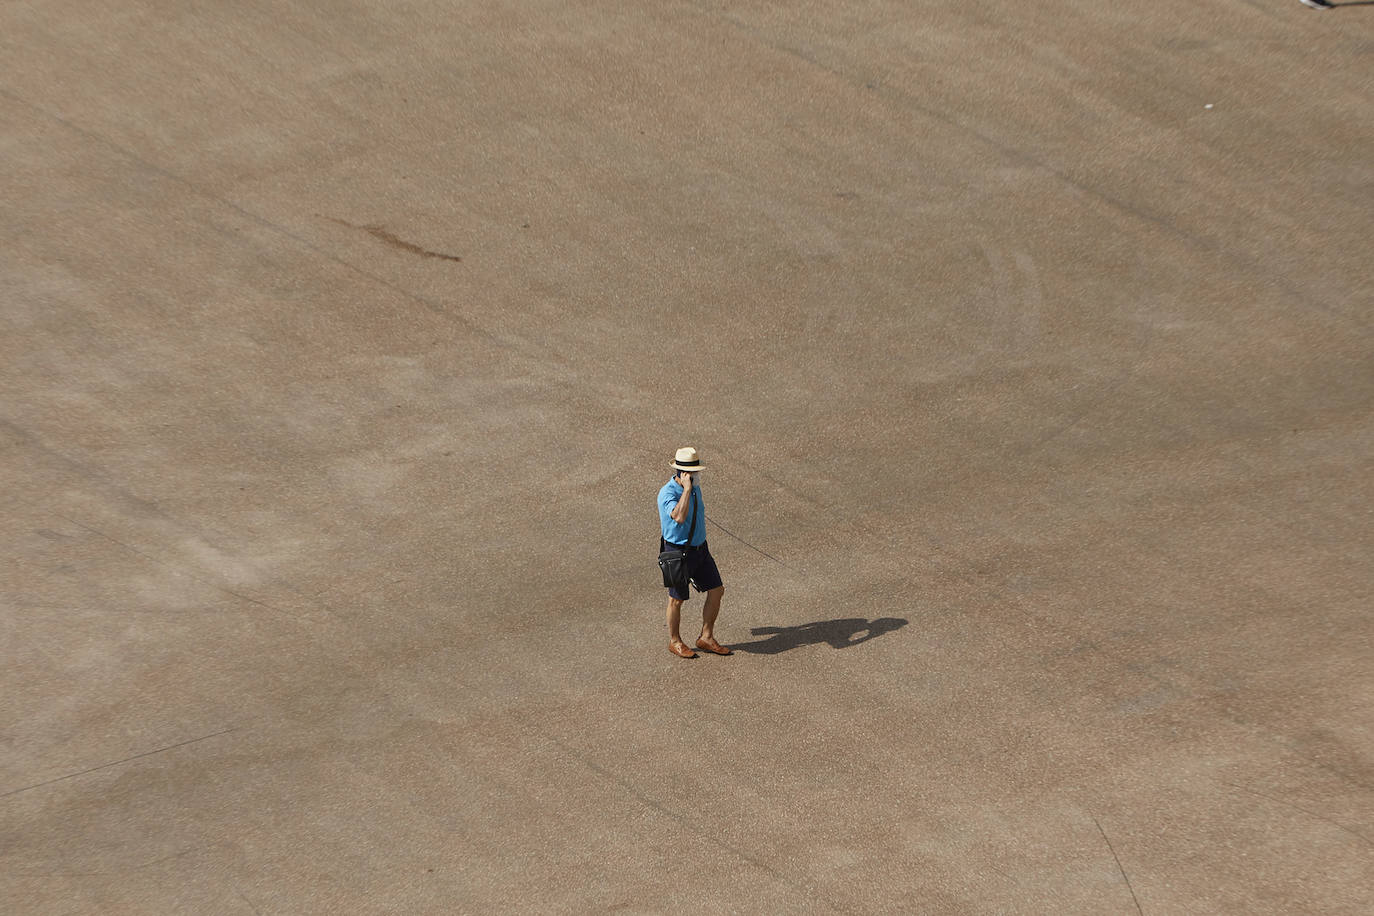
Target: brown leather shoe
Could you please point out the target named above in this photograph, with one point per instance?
(680, 649)
(710, 645)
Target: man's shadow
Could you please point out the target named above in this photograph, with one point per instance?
(838, 634)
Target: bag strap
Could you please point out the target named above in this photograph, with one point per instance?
(692, 532)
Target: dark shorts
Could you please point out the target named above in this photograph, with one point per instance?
(701, 571)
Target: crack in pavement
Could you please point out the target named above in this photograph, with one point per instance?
(1119, 867)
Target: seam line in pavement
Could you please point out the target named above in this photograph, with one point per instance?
(1321, 817)
(1017, 154)
(429, 304)
(1117, 859)
(106, 766)
(161, 562)
(667, 812)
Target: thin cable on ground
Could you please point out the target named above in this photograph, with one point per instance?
(746, 543)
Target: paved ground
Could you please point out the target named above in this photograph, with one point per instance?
(344, 345)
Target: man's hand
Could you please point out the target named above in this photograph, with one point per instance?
(684, 503)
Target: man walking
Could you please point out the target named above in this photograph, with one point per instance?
(682, 516)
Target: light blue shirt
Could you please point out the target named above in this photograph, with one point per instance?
(673, 532)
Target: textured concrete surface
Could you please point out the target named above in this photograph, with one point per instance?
(343, 346)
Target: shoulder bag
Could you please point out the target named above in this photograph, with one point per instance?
(673, 561)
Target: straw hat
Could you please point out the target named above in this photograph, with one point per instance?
(687, 459)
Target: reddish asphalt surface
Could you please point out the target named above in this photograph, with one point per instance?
(344, 347)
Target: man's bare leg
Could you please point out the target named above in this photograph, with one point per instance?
(708, 622)
(711, 611)
(674, 622)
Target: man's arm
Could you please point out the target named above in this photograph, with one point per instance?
(679, 513)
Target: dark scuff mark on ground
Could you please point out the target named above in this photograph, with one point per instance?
(380, 232)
